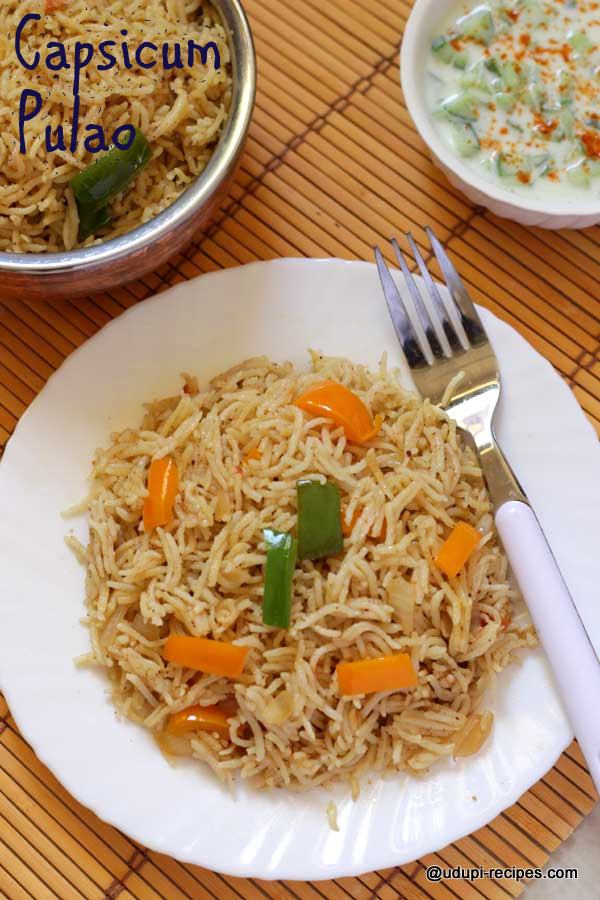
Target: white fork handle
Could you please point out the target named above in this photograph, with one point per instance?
(562, 635)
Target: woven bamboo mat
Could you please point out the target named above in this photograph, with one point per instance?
(332, 165)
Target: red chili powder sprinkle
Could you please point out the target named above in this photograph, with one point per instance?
(591, 143)
(546, 127)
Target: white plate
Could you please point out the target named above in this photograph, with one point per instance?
(203, 326)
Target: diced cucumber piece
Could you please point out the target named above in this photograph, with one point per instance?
(580, 42)
(540, 165)
(479, 77)
(566, 126)
(465, 139)
(551, 112)
(579, 174)
(510, 164)
(551, 108)
(472, 79)
(445, 52)
(442, 49)
(477, 25)
(511, 78)
(504, 101)
(594, 165)
(567, 121)
(566, 88)
(531, 72)
(493, 66)
(515, 125)
(526, 168)
(536, 13)
(533, 96)
(505, 23)
(463, 106)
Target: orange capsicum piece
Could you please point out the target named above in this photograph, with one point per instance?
(382, 673)
(199, 718)
(457, 548)
(252, 454)
(205, 655)
(336, 402)
(163, 482)
(348, 527)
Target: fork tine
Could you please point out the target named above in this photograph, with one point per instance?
(439, 316)
(469, 317)
(415, 355)
(434, 344)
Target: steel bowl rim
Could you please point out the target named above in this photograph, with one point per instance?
(196, 195)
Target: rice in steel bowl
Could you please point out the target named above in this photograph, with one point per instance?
(240, 448)
(181, 112)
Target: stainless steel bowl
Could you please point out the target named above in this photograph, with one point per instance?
(41, 276)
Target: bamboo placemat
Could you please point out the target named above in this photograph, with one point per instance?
(333, 165)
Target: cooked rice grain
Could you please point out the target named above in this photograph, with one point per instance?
(203, 575)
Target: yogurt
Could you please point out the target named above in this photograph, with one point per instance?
(513, 87)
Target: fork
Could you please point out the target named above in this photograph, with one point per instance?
(444, 338)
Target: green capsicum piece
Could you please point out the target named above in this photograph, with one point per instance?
(91, 221)
(279, 571)
(319, 519)
(108, 176)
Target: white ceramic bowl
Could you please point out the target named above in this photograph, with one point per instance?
(422, 27)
